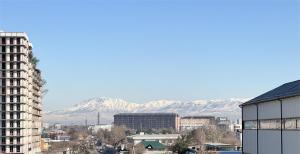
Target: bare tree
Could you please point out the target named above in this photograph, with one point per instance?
(139, 148)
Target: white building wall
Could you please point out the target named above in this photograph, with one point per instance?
(249, 112)
(269, 110)
(291, 107)
(291, 142)
(249, 141)
(269, 142)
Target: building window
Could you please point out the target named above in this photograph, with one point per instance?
(3, 90)
(18, 101)
(3, 107)
(3, 115)
(3, 99)
(11, 99)
(11, 65)
(18, 107)
(11, 57)
(298, 123)
(11, 41)
(3, 148)
(3, 139)
(3, 41)
(18, 66)
(270, 124)
(11, 49)
(11, 115)
(250, 124)
(11, 106)
(3, 49)
(11, 132)
(3, 65)
(18, 49)
(18, 41)
(3, 125)
(18, 147)
(11, 124)
(290, 123)
(11, 149)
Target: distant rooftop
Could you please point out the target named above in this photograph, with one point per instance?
(154, 136)
(13, 34)
(198, 117)
(286, 90)
(142, 114)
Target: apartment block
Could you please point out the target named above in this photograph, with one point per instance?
(21, 84)
(146, 121)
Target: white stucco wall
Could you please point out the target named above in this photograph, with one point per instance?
(269, 110)
(269, 142)
(291, 107)
(249, 112)
(249, 141)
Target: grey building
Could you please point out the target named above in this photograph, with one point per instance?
(271, 121)
(223, 123)
(194, 122)
(146, 121)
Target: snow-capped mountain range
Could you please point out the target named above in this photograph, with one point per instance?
(107, 107)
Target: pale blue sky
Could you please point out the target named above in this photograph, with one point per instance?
(141, 50)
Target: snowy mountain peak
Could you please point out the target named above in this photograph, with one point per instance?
(107, 107)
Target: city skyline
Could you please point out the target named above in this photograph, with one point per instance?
(142, 51)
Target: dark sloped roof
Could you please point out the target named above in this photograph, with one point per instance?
(153, 145)
(286, 90)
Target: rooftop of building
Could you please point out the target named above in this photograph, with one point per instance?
(198, 117)
(155, 145)
(13, 34)
(286, 90)
(154, 136)
(143, 114)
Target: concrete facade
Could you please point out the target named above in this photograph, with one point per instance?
(194, 122)
(20, 95)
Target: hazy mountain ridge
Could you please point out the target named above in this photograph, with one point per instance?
(109, 106)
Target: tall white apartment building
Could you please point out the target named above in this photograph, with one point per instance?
(20, 95)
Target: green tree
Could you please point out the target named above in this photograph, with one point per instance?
(181, 144)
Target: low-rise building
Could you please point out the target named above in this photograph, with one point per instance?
(271, 121)
(223, 123)
(166, 139)
(195, 122)
(95, 128)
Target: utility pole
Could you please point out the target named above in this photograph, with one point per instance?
(86, 122)
(98, 118)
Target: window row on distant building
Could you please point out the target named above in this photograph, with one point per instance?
(11, 40)
(287, 123)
